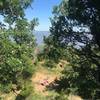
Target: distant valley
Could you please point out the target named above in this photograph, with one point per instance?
(39, 36)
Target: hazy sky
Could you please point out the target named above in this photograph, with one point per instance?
(42, 9)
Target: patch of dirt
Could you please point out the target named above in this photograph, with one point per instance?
(9, 96)
(43, 77)
(41, 80)
(74, 97)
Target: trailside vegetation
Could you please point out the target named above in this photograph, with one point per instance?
(75, 37)
(17, 45)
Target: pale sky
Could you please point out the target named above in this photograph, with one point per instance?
(42, 9)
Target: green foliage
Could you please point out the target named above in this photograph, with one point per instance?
(13, 9)
(49, 63)
(36, 97)
(17, 44)
(25, 92)
(16, 53)
(82, 77)
(88, 13)
(5, 88)
(61, 97)
(75, 37)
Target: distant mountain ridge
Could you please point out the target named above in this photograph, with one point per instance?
(39, 36)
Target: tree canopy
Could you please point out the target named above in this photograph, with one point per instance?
(75, 35)
(17, 45)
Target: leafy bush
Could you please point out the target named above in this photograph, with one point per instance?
(5, 88)
(49, 63)
(26, 91)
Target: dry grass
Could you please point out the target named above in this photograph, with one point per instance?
(74, 97)
(39, 77)
(43, 73)
(9, 96)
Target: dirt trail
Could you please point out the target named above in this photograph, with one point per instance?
(43, 75)
(42, 79)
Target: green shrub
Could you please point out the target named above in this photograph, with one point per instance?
(27, 90)
(5, 88)
(49, 63)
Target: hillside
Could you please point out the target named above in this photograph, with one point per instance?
(39, 36)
